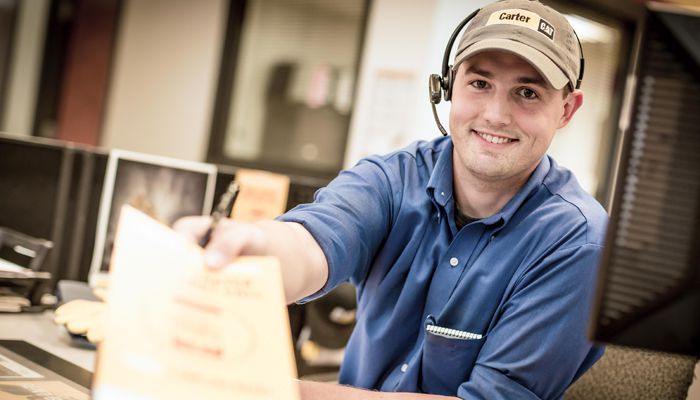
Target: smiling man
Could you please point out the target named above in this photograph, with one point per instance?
(474, 255)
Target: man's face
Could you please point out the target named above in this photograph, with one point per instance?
(503, 117)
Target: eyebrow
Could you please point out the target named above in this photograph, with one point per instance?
(538, 80)
(475, 70)
(531, 80)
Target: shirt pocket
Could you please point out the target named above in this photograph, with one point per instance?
(448, 359)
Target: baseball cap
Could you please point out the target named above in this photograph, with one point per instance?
(529, 29)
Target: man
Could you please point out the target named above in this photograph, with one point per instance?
(474, 255)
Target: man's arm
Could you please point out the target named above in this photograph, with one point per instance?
(325, 391)
(341, 229)
(304, 266)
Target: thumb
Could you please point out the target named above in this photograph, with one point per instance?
(215, 258)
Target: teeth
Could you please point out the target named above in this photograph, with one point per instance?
(494, 139)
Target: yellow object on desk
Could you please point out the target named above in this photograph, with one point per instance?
(82, 317)
(176, 330)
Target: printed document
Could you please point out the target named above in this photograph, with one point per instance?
(177, 330)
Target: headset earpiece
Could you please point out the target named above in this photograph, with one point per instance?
(440, 86)
(435, 88)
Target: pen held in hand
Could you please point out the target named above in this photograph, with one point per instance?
(222, 210)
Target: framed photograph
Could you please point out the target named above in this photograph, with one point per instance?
(164, 188)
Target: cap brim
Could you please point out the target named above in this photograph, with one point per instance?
(537, 59)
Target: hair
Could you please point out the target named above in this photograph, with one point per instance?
(566, 90)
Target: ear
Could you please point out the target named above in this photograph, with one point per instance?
(572, 103)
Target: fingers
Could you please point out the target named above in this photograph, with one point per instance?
(192, 228)
(232, 239)
(229, 240)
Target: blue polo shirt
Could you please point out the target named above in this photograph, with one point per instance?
(496, 310)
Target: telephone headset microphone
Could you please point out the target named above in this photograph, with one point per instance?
(440, 86)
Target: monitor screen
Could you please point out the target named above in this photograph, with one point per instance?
(164, 188)
(649, 285)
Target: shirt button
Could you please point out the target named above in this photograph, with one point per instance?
(404, 368)
(454, 261)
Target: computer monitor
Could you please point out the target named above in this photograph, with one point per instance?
(649, 285)
(35, 191)
(164, 188)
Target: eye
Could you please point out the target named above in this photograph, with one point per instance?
(528, 93)
(479, 84)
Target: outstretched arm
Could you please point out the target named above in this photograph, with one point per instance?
(304, 266)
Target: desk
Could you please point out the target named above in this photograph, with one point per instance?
(40, 330)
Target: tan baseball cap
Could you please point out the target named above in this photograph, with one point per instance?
(529, 29)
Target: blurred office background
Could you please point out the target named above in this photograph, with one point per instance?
(299, 87)
(303, 87)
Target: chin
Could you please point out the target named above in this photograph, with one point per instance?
(487, 174)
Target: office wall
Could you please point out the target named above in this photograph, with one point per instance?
(164, 77)
(166, 70)
(391, 106)
(25, 68)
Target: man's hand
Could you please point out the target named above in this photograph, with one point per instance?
(229, 240)
(304, 266)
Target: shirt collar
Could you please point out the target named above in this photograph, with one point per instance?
(439, 188)
(529, 188)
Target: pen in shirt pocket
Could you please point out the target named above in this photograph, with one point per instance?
(222, 210)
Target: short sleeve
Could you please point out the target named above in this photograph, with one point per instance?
(349, 219)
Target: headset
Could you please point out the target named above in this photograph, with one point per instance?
(440, 86)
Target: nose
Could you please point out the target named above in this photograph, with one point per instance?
(496, 111)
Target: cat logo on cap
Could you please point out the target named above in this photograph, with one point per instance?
(546, 28)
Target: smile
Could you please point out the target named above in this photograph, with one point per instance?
(494, 139)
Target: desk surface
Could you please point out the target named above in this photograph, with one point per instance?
(40, 330)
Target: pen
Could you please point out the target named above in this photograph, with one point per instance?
(222, 210)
